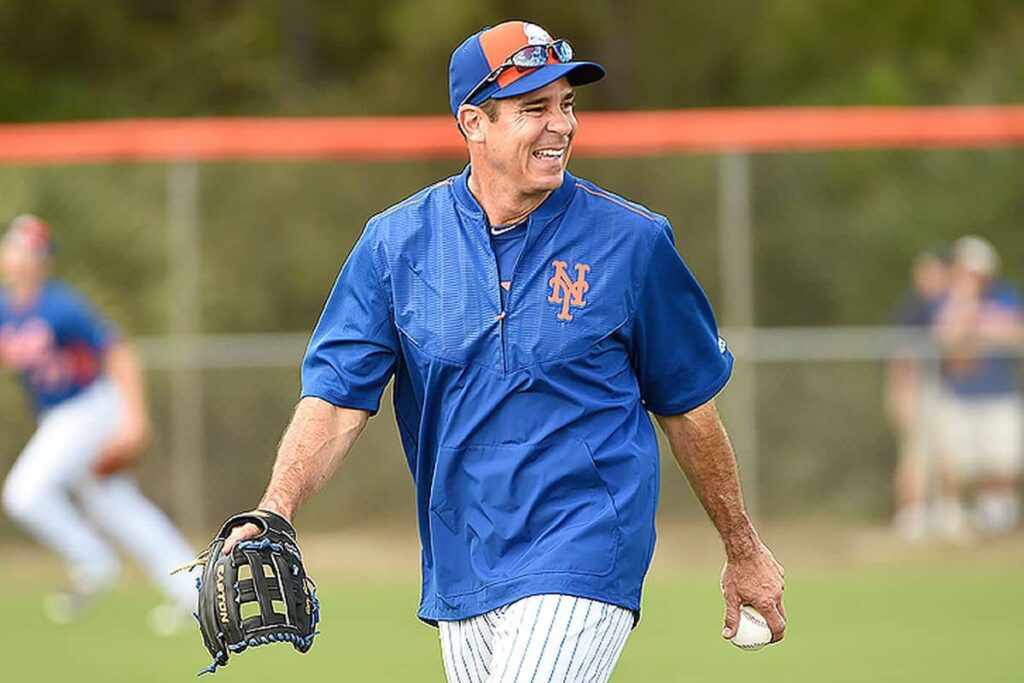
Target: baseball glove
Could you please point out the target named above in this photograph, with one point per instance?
(257, 594)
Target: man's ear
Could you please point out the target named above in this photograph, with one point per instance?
(472, 121)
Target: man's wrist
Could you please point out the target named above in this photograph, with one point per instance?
(277, 506)
(741, 543)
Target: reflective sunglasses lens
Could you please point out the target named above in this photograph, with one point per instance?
(563, 50)
(531, 56)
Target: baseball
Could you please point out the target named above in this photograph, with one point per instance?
(753, 632)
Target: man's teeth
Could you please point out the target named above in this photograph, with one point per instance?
(549, 153)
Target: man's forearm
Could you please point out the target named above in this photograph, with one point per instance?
(125, 370)
(751, 574)
(318, 438)
(1003, 332)
(702, 449)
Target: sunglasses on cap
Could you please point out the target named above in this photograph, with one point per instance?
(528, 57)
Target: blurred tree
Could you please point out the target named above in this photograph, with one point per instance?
(834, 233)
(72, 59)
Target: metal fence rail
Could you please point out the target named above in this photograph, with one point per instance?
(768, 358)
(194, 256)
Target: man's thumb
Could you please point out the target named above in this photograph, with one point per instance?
(732, 617)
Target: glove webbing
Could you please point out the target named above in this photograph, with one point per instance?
(256, 589)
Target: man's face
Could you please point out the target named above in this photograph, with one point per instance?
(528, 145)
(931, 277)
(967, 280)
(21, 263)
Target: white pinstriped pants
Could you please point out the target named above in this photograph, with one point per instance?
(539, 639)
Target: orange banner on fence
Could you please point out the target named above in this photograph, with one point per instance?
(602, 134)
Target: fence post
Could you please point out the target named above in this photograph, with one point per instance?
(736, 254)
(186, 428)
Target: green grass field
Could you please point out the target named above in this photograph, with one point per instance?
(895, 619)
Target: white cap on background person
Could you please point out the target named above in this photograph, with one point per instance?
(977, 255)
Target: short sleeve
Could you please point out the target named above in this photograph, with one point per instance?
(1009, 298)
(679, 359)
(351, 355)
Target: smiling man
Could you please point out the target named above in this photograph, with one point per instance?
(530, 320)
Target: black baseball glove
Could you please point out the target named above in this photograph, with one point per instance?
(257, 594)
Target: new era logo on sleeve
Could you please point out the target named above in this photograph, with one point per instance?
(722, 346)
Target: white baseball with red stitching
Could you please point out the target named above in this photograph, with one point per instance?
(753, 632)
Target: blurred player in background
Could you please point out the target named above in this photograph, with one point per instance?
(531, 320)
(912, 392)
(70, 488)
(979, 324)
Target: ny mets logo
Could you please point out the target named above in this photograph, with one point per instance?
(567, 292)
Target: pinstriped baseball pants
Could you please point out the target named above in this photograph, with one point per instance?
(539, 639)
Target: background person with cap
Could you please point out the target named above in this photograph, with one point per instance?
(530, 320)
(912, 396)
(979, 323)
(69, 488)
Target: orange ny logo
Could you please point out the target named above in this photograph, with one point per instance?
(566, 292)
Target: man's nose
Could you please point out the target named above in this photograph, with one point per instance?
(561, 122)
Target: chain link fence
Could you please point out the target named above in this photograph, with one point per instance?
(219, 270)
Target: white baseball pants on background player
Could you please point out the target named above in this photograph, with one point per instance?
(984, 436)
(539, 639)
(51, 485)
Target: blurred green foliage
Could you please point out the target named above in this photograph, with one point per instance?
(72, 59)
(834, 232)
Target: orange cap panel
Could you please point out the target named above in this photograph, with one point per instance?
(501, 41)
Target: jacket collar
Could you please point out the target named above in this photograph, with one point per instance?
(556, 202)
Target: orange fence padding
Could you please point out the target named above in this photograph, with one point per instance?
(602, 134)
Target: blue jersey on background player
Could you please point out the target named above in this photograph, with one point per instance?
(55, 344)
(981, 375)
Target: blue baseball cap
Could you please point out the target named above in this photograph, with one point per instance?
(485, 51)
